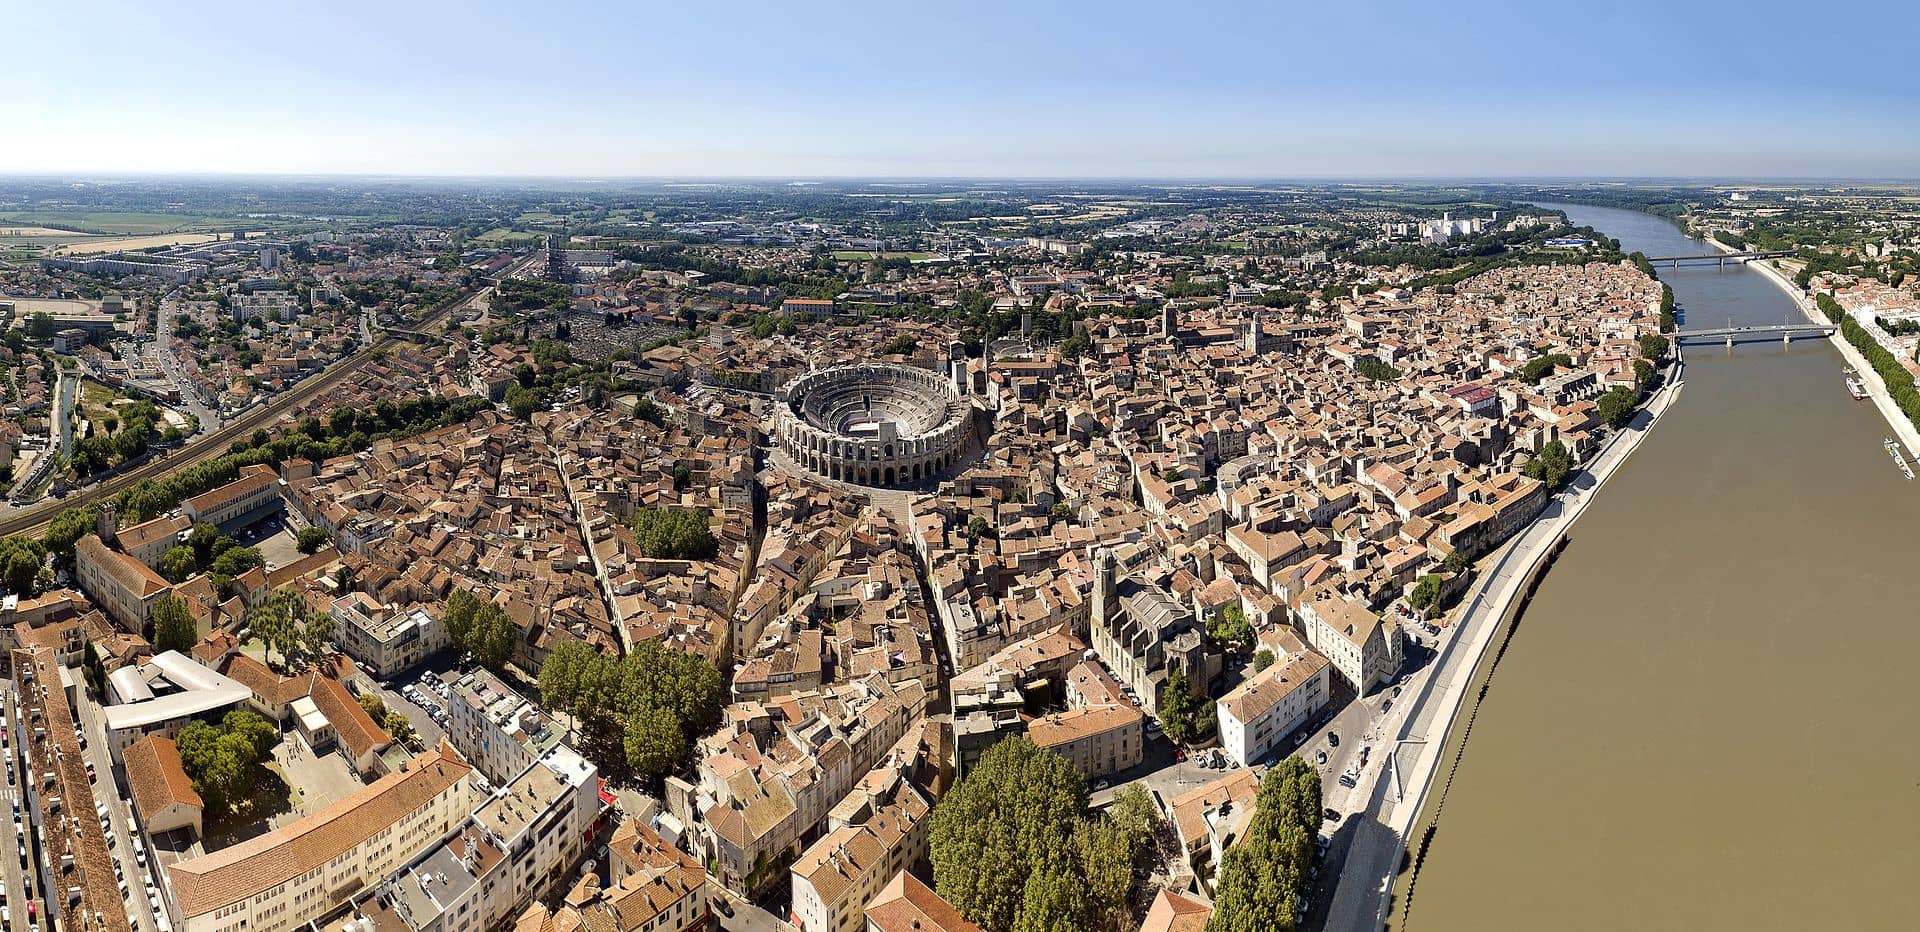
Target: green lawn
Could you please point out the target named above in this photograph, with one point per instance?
(501, 236)
(123, 222)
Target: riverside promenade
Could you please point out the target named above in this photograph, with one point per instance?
(1876, 388)
(1420, 763)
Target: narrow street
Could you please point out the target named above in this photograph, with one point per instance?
(121, 833)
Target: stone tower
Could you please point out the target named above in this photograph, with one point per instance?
(107, 522)
(1105, 588)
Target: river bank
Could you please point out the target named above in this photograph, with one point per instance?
(1688, 728)
(1398, 792)
(1903, 428)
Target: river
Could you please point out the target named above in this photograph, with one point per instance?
(1705, 718)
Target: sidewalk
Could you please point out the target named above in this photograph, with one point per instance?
(1364, 894)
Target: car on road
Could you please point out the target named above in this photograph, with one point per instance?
(1333, 738)
(1101, 785)
(1331, 815)
(1320, 757)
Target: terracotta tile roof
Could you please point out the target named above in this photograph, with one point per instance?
(130, 574)
(358, 731)
(1061, 728)
(1172, 912)
(907, 905)
(157, 776)
(1265, 689)
(230, 875)
(251, 480)
(147, 532)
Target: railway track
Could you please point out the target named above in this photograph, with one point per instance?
(35, 520)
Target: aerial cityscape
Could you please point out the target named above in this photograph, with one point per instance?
(537, 471)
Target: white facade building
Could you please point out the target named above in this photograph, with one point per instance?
(1260, 712)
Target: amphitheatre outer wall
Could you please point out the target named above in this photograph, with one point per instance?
(874, 424)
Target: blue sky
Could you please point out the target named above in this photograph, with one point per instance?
(1235, 90)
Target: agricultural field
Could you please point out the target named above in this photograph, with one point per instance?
(97, 244)
(501, 236)
(107, 222)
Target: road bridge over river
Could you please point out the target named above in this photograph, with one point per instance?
(1720, 257)
(1731, 334)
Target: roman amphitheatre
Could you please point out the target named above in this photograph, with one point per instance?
(874, 424)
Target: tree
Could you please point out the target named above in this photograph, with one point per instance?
(1076, 346)
(375, 707)
(1061, 511)
(1455, 563)
(1262, 659)
(1551, 466)
(654, 741)
(458, 614)
(1616, 406)
(522, 402)
(1263, 878)
(21, 559)
(178, 563)
(173, 627)
(276, 621)
(317, 632)
(481, 628)
(978, 527)
(311, 539)
(397, 726)
(1182, 716)
(1230, 629)
(1653, 346)
(1425, 593)
(1376, 370)
(644, 709)
(235, 560)
(997, 841)
(202, 538)
(674, 534)
(225, 760)
(1542, 366)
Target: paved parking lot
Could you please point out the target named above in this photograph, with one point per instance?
(274, 538)
(421, 714)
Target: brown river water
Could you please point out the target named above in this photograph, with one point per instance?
(1706, 718)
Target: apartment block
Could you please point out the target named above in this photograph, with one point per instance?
(307, 868)
(1257, 715)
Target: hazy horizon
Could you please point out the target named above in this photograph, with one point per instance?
(1113, 91)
